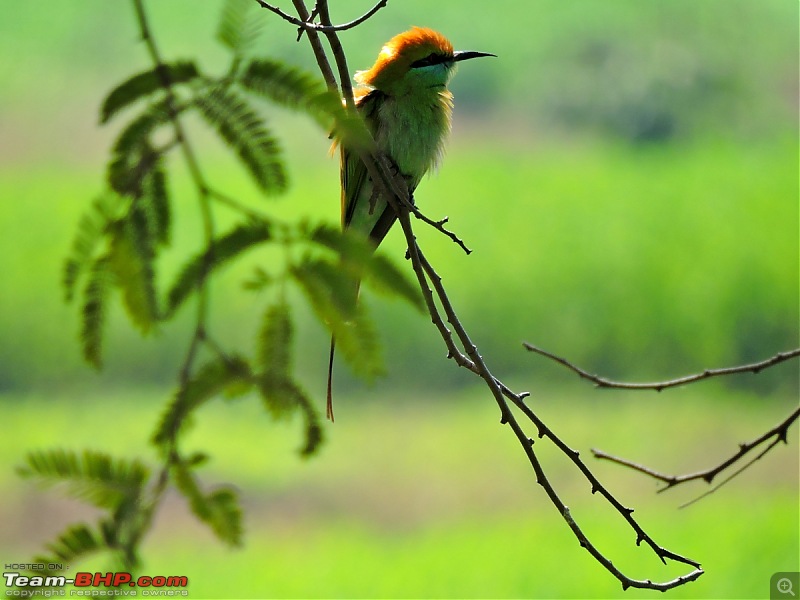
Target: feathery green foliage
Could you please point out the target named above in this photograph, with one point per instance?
(155, 204)
(119, 245)
(210, 380)
(359, 258)
(133, 155)
(91, 228)
(241, 238)
(219, 509)
(94, 477)
(313, 430)
(93, 311)
(293, 88)
(246, 133)
(281, 393)
(274, 357)
(76, 542)
(333, 298)
(239, 26)
(131, 261)
(146, 84)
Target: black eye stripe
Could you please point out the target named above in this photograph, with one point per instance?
(431, 59)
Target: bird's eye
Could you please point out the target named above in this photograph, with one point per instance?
(431, 59)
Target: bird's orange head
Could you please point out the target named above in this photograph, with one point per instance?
(419, 50)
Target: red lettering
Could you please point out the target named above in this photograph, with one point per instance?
(83, 579)
(104, 579)
(120, 578)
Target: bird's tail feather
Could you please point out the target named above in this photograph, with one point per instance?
(329, 411)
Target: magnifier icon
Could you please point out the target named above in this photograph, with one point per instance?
(785, 586)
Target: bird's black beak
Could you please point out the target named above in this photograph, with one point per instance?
(464, 55)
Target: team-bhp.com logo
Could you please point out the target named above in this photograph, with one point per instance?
(94, 584)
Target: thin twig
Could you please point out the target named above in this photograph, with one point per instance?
(407, 201)
(779, 432)
(660, 385)
(439, 226)
(303, 23)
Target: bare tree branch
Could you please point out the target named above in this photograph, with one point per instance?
(779, 433)
(660, 385)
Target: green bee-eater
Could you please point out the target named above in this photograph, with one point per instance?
(405, 103)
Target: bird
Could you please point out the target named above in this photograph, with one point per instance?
(404, 101)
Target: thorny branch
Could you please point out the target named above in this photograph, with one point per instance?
(778, 432)
(468, 356)
(775, 435)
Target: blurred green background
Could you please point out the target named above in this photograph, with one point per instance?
(626, 173)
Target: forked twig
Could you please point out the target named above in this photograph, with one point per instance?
(303, 23)
(779, 433)
(440, 226)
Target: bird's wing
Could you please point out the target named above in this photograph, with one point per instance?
(361, 209)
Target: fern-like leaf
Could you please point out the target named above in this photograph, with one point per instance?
(299, 90)
(238, 26)
(245, 132)
(313, 431)
(94, 477)
(358, 256)
(133, 156)
(131, 261)
(243, 237)
(210, 380)
(332, 295)
(95, 297)
(144, 84)
(218, 509)
(275, 360)
(75, 543)
(280, 392)
(156, 204)
(91, 229)
(293, 88)
(334, 286)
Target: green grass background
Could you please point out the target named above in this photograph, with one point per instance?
(638, 257)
